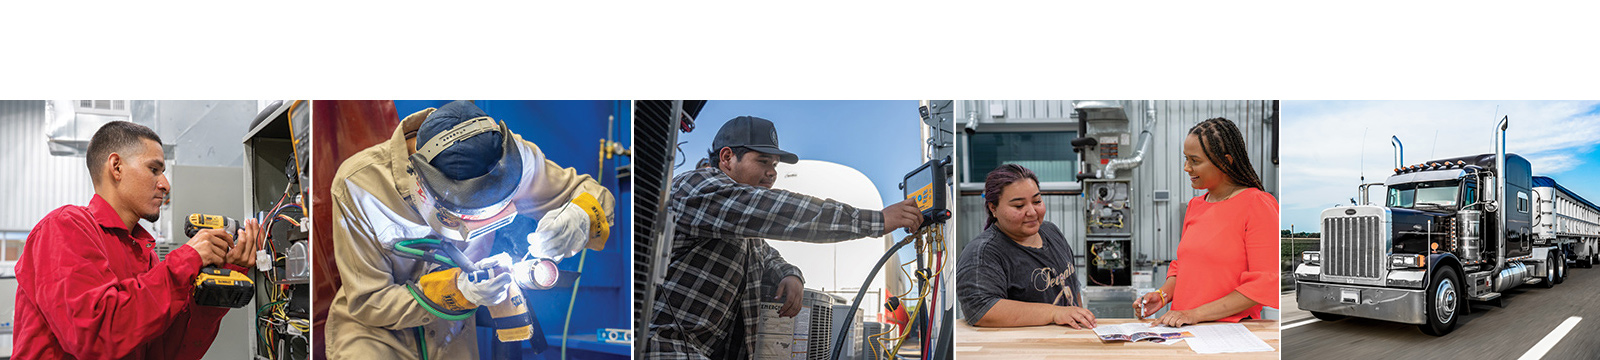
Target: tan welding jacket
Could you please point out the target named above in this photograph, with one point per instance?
(373, 315)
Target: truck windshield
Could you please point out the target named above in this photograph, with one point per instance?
(1432, 195)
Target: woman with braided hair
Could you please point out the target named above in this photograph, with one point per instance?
(1229, 248)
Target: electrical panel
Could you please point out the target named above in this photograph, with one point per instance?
(1108, 212)
(276, 194)
(1109, 262)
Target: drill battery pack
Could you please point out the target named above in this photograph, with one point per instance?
(221, 287)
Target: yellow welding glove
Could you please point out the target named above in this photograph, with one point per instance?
(599, 225)
(565, 231)
(440, 289)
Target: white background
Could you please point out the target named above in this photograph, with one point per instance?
(799, 50)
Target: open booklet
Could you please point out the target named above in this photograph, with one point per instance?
(1139, 332)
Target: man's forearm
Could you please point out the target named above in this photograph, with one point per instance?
(729, 210)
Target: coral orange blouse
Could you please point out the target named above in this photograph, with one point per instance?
(1228, 246)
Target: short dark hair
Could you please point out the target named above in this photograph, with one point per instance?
(738, 152)
(115, 137)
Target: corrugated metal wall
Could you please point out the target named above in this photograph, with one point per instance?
(35, 182)
(1022, 110)
(1158, 223)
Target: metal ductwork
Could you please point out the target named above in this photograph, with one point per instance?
(1130, 163)
(1144, 144)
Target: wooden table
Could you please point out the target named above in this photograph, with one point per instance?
(1061, 342)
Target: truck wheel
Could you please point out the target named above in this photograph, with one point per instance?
(1552, 272)
(1549, 280)
(1561, 268)
(1327, 316)
(1444, 301)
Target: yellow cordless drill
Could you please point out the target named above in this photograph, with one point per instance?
(218, 286)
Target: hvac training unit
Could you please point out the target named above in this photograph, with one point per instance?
(276, 158)
(1108, 220)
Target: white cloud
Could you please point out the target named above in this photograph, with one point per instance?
(1325, 152)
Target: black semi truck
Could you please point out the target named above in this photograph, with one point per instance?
(1450, 231)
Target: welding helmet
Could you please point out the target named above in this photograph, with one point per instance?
(469, 169)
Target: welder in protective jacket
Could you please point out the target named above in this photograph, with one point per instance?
(457, 175)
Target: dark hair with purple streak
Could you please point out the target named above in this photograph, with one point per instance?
(997, 181)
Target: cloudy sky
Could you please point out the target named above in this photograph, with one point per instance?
(1328, 145)
(879, 138)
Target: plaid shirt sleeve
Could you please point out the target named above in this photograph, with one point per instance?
(710, 264)
(717, 207)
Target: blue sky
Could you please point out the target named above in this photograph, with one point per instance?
(879, 138)
(1328, 145)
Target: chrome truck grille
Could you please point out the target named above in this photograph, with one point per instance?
(1353, 242)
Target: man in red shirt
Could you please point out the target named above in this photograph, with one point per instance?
(89, 283)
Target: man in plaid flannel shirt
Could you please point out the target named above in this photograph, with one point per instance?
(706, 309)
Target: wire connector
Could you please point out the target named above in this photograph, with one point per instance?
(263, 260)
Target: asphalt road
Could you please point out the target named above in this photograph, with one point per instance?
(1531, 313)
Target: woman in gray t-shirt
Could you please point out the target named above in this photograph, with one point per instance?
(1019, 270)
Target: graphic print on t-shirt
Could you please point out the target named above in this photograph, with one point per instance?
(1046, 279)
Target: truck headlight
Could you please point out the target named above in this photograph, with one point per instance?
(1407, 261)
(1311, 257)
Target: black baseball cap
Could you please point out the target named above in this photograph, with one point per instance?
(752, 133)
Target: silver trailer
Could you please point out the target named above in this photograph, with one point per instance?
(1567, 220)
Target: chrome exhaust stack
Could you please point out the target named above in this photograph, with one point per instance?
(1399, 151)
(1500, 194)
